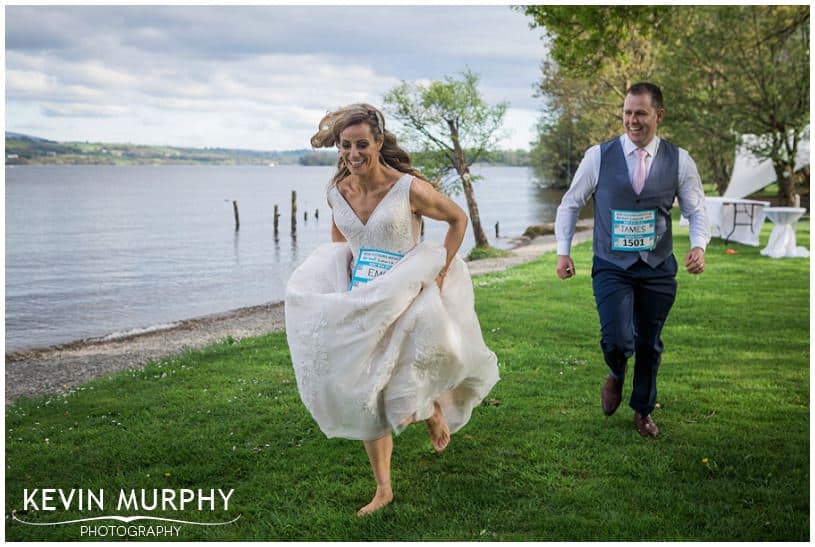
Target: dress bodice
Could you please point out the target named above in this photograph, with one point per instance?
(392, 226)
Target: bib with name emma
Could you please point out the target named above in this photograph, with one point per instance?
(371, 263)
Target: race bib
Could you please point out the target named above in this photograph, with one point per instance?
(633, 231)
(372, 263)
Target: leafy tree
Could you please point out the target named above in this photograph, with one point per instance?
(318, 158)
(450, 121)
(564, 133)
(726, 71)
(556, 153)
(585, 37)
(748, 65)
(596, 52)
(516, 158)
(611, 45)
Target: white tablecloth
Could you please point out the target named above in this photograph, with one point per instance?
(782, 242)
(734, 219)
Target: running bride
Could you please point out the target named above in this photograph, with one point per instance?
(381, 327)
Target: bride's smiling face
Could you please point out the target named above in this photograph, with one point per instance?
(359, 149)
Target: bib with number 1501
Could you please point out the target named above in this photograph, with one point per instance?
(633, 231)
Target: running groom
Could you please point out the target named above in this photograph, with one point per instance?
(634, 179)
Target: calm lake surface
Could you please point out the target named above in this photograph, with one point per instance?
(94, 251)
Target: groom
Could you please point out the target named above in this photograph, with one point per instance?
(633, 180)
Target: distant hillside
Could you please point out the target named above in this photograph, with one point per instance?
(12, 135)
(29, 150)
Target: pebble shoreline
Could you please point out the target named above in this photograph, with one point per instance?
(58, 369)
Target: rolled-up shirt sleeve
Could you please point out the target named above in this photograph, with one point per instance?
(580, 191)
(692, 201)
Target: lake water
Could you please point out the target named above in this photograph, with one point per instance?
(93, 251)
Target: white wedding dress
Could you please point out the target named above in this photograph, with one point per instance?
(370, 360)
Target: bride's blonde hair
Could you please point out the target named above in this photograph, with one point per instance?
(336, 122)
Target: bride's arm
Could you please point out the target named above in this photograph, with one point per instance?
(427, 201)
(336, 235)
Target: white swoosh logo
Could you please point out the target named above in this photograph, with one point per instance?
(123, 519)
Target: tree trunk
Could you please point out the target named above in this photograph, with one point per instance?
(464, 173)
(785, 168)
(721, 174)
(475, 219)
(784, 173)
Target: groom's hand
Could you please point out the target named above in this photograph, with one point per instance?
(695, 261)
(565, 267)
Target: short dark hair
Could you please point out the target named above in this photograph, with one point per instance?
(646, 87)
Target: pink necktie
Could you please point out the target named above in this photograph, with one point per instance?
(639, 172)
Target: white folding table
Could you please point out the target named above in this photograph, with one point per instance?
(734, 219)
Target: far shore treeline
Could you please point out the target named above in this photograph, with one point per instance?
(30, 150)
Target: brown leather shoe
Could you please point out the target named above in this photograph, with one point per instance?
(645, 425)
(611, 395)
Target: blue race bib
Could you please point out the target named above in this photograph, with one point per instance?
(633, 231)
(371, 263)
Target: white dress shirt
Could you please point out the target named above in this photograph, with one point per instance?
(691, 195)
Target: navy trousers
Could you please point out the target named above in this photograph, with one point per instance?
(633, 305)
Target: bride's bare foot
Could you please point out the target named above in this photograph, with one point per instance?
(382, 498)
(438, 429)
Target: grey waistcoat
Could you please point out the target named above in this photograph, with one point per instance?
(614, 191)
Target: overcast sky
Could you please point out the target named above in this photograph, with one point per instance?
(249, 77)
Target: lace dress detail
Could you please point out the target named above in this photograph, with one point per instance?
(392, 225)
(369, 360)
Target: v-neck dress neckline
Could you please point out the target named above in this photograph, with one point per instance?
(376, 207)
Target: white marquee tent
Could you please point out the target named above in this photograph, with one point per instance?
(751, 174)
(734, 218)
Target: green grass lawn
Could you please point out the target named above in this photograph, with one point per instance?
(539, 461)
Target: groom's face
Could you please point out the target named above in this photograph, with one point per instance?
(640, 118)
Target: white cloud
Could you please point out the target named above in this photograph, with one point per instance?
(94, 73)
(82, 110)
(28, 83)
(248, 77)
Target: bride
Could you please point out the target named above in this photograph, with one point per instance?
(382, 328)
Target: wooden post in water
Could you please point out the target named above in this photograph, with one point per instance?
(276, 218)
(237, 216)
(316, 214)
(293, 212)
(305, 216)
(496, 231)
